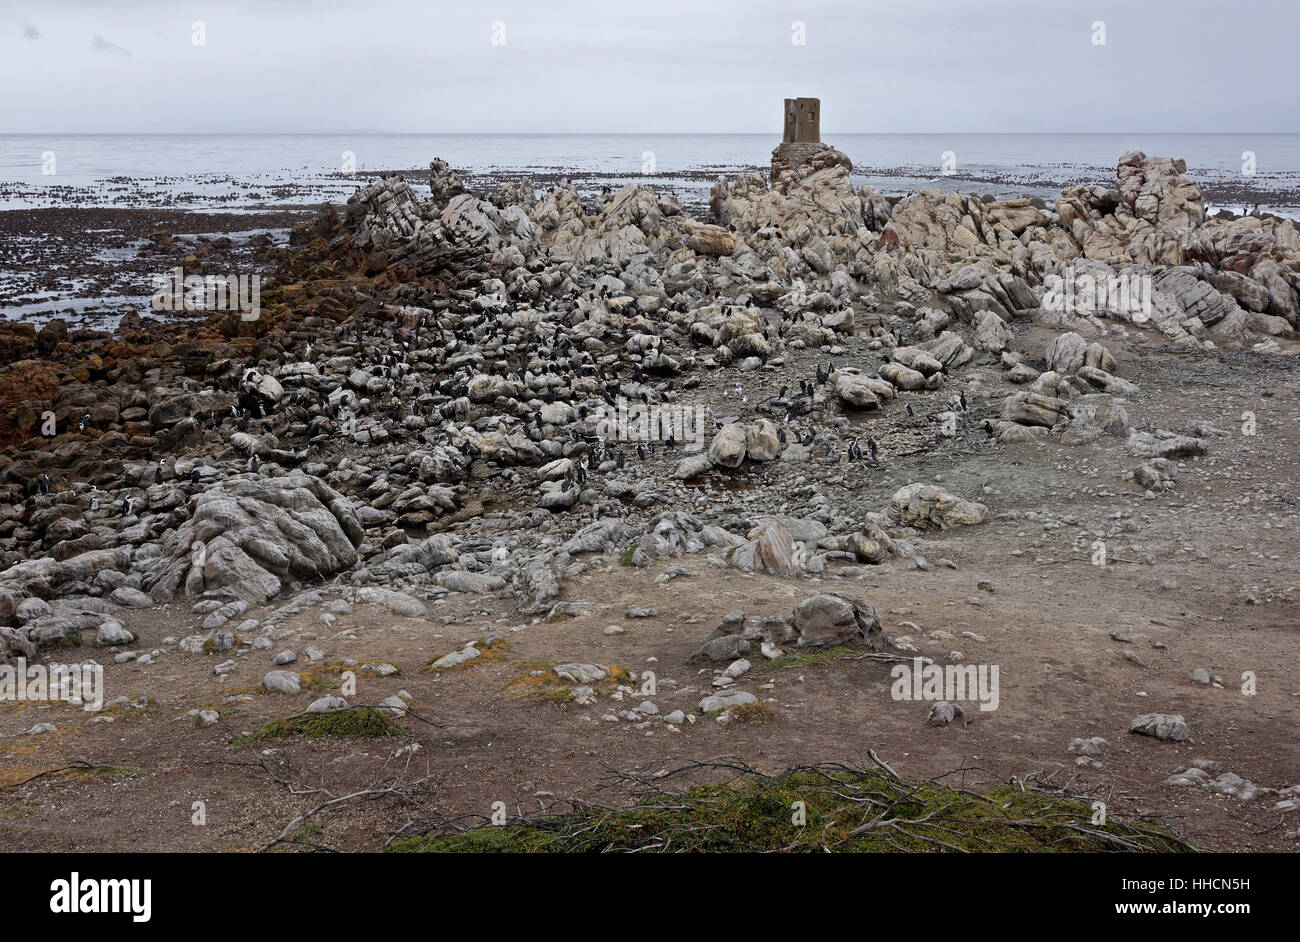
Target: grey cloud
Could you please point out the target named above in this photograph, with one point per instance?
(980, 66)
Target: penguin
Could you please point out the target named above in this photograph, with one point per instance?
(158, 474)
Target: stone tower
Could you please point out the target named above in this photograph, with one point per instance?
(801, 151)
(802, 121)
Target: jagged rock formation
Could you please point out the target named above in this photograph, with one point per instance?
(247, 537)
(420, 356)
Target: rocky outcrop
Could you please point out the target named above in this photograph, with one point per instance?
(245, 539)
(926, 506)
(419, 352)
(832, 618)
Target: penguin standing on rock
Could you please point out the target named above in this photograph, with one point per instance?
(158, 473)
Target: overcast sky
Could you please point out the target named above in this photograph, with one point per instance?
(671, 65)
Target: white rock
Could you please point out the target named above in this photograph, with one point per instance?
(725, 700)
(282, 682)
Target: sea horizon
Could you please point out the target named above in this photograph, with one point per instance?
(260, 169)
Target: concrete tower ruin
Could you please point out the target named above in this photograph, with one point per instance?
(802, 121)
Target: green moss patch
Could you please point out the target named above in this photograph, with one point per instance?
(839, 809)
(804, 657)
(749, 714)
(360, 722)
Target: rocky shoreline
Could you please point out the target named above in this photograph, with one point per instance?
(425, 405)
(417, 358)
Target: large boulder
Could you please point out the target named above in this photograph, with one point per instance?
(263, 386)
(772, 551)
(1167, 727)
(1069, 353)
(924, 506)
(862, 392)
(727, 450)
(1035, 409)
(245, 537)
(871, 544)
(831, 618)
(1156, 190)
(762, 442)
(46, 577)
(444, 182)
(14, 644)
(705, 239)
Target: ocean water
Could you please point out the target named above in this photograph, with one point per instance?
(91, 276)
(248, 171)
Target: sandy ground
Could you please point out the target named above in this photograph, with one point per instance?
(1203, 576)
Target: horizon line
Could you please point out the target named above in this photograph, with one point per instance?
(380, 133)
